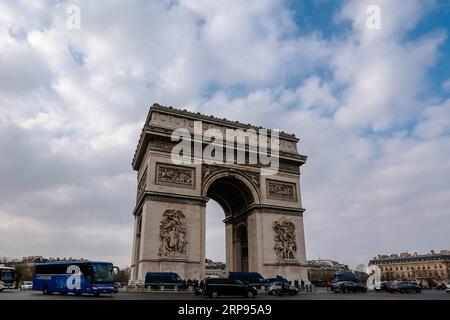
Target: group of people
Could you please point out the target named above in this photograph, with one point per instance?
(299, 284)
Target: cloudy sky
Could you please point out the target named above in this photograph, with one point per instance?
(371, 107)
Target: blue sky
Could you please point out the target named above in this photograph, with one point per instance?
(371, 107)
(320, 16)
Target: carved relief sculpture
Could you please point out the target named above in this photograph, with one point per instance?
(281, 190)
(176, 175)
(161, 145)
(172, 233)
(208, 170)
(284, 235)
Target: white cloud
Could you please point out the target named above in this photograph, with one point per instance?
(383, 72)
(446, 85)
(435, 121)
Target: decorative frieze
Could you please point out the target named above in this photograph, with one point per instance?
(209, 170)
(177, 176)
(284, 236)
(289, 167)
(172, 233)
(252, 176)
(161, 145)
(281, 190)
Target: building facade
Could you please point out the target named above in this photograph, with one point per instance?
(320, 272)
(213, 268)
(430, 269)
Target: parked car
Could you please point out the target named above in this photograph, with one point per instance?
(166, 279)
(404, 287)
(282, 288)
(448, 287)
(26, 285)
(228, 287)
(348, 286)
(382, 286)
(442, 286)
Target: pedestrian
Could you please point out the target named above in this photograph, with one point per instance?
(302, 284)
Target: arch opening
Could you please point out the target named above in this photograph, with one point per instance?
(215, 235)
(234, 196)
(240, 250)
(231, 194)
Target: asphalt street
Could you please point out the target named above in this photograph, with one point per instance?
(33, 295)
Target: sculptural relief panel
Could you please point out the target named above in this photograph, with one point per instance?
(172, 233)
(281, 190)
(177, 176)
(284, 236)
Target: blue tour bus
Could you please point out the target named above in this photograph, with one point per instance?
(78, 277)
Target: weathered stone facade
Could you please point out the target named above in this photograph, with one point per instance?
(263, 214)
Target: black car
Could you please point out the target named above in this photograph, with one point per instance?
(348, 286)
(404, 287)
(227, 287)
(382, 286)
(171, 280)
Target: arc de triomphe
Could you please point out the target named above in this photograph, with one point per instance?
(263, 213)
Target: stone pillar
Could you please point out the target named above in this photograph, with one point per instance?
(133, 252)
(254, 241)
(202, 232)
(229, 247)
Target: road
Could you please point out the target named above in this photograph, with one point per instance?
(32, 295)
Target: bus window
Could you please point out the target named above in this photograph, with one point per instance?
(102, 273)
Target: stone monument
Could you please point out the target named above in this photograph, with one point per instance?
(263, 213)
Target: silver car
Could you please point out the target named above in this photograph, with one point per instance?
(26, 285)
(278, 288)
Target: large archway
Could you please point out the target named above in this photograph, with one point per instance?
(233, 192)
(263, 214)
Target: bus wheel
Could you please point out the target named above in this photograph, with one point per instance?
(45, 290)
(97, 294)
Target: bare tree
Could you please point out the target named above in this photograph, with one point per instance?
(360, 268)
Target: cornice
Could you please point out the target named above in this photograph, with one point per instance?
(144, 136)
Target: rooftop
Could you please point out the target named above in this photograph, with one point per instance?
(405, 256)
(211, 118)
